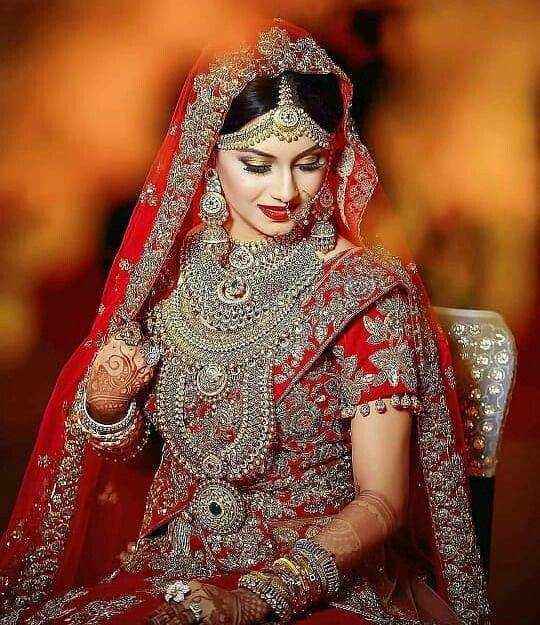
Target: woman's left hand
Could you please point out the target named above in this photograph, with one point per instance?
(212, 606)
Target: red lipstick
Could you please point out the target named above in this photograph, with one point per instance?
(275, 213)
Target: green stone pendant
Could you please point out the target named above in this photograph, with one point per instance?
(215, 509)
(219, 506)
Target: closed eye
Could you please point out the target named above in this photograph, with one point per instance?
(257, 169)
(311, 166)
(264, 169)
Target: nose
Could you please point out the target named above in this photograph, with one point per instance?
(285, 190)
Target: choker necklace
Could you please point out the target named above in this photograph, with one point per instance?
(257, 244)
(245, 255)
(248, 287)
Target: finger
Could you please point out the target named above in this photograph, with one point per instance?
(131, 333)
(125, 348)
(210, 602)
(114, 347)
(140, 361)
(171, 614)
(196, 585)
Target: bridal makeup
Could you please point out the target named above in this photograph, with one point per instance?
(260, 183)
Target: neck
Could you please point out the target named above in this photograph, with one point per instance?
(240, 233)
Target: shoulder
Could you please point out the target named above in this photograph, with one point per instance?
(360, 260)
(363, 278)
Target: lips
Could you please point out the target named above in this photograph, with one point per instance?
(275, 213)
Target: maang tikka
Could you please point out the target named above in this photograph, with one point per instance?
(287, 121)
(214, 212)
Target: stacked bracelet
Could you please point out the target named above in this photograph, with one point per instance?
(293, 583)
(270, 591)
(95, 428)
(322, 562)
(121, 439)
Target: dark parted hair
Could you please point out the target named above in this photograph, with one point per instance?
(317, 94)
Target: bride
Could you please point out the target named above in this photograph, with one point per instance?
(262, 423)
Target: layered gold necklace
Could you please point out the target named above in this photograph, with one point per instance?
(221, 331)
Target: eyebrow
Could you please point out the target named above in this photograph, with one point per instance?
(313, 148)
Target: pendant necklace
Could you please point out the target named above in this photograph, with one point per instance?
(220, 332)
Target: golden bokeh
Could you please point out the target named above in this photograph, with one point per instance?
(86, 91)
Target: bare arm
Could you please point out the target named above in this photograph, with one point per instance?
(380, 452)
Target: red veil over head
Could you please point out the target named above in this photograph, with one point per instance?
(62, 531)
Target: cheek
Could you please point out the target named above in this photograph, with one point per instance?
(311, 182)
(239, 186)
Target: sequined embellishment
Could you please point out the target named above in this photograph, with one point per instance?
(219, 507)
(207, 343)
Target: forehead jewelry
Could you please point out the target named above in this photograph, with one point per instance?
(287, 122)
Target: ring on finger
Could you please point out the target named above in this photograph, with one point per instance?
(151, 353)
(197, 611)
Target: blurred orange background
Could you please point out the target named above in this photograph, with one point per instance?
(446, 98)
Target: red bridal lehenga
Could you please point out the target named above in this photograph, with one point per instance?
(92, 540)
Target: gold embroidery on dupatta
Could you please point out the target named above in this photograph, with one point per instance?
(93, 613)
(444, 473)
(444, 476)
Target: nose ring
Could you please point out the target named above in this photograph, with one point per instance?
(303, 213)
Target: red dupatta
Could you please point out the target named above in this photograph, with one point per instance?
(59, 534)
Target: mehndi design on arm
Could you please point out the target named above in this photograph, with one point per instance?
(315, 568)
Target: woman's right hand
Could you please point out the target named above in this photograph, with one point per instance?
(117, 375)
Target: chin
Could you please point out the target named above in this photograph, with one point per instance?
(276, 229)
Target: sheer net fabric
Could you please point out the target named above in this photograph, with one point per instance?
(362, 526)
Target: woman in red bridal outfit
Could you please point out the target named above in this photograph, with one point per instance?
(262, 423)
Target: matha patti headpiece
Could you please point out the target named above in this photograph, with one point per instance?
(287, 122)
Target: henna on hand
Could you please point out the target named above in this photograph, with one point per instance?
(252, 609)
(218, 607)
(118, 374)
(171, 614)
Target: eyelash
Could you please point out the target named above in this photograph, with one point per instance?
(264, 169)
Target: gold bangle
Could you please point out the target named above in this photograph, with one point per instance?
(289, 565)
(274, 578)
(301, 598)
(310, 577)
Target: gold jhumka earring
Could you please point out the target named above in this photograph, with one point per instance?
(323, 232)
(214, 212)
